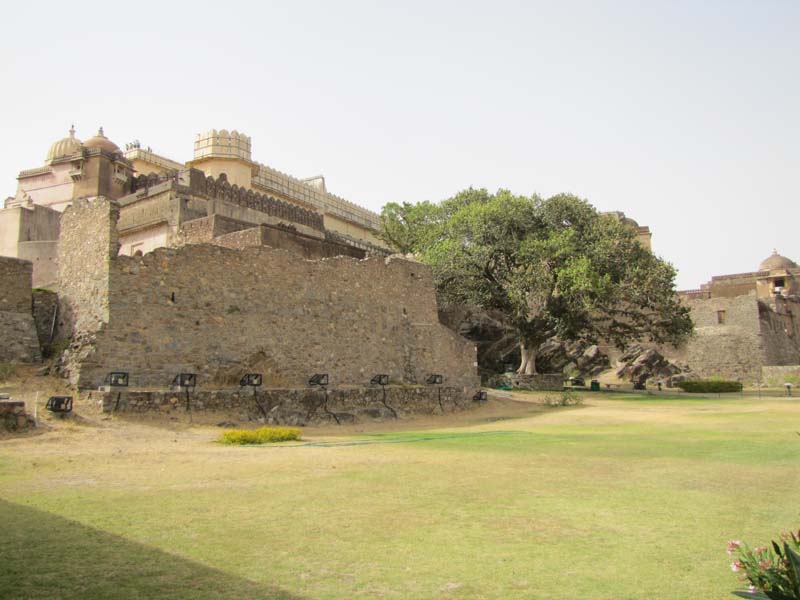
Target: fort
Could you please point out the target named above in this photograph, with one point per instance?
(222, 265)
(747, 325)
(219, 273)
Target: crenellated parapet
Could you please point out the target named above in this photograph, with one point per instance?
(221, 189)
(222, 144)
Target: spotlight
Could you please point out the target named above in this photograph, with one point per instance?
(320, 379)
(115, 379)
(434, 379)
(252, 379)
(383, 380)
(59, 404)
(480, 396)
(185, 380)
(380, 380)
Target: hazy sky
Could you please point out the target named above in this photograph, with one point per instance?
(684, 115)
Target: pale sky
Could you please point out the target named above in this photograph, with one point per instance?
(684, 115)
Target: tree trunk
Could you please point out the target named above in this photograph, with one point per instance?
(528, 361)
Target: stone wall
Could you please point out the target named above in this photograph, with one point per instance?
(780, 331)
(732, 349)
(15, 285)
(219, 313)
(18, 340)
(298, 406)
(287, 239)
(774, 376)
(88, 241)
(45, 308)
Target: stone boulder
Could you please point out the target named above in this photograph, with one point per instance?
(638, 364)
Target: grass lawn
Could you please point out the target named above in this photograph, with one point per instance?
(626, 497)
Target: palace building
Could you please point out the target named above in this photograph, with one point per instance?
(166, 203)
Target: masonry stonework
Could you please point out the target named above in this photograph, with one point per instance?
(220, 312)
(18, 339)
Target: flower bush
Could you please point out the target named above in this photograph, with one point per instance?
(262, 435)
(772, 572)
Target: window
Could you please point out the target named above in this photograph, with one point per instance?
(779, 283)
(721, 317)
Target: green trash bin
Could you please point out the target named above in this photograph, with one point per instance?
(594, 385)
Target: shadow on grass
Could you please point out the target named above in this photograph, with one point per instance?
(46, 556)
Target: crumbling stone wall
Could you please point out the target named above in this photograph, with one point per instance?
(287, 239)
(732, 349)
(18, 340)
(780, 330)
(293, 406)
(220, 312)
(45, 310)
(87, 243)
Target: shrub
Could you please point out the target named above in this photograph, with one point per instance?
(566, 398)
(773, 572)
(710, 386)
(262, 435)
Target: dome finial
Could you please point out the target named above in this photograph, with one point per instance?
(72, 130)
(100, 132)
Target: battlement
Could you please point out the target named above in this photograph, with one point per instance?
(222, 144)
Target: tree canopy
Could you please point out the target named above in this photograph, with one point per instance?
(549, 267)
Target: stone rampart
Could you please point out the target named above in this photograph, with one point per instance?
(774, 376)
(289, 239)
(220, 313)
(87, 243)
(295, 406)
(18, 340)
(727, 338)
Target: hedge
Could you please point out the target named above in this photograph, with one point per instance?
(710, 386)
(262, 435)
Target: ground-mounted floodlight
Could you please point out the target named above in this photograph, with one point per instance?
(436, 379)
(254, 380)
(480, 396)
(59, 404)
(115, 379)
(185, 381)
(383, 380)
(788, 387)
(321, 380)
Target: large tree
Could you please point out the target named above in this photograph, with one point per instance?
(553, 267)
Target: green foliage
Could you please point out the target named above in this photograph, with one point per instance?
(710, 386)
(566, 398)
(7, 371)
(549, 267)
(262, 435)
(772, 572)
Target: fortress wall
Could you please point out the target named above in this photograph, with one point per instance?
(87, 242)
(308, 248)
(18, 339)
(298, 406)
(732, 350)
(779, 324)
(220, 312)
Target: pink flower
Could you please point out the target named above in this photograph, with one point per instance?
(752, 589)
(736, 566)
(733, 545)
(760, 549)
